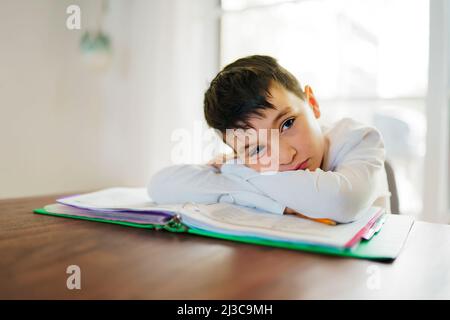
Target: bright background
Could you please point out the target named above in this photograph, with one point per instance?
(364, 59)
(67, 126)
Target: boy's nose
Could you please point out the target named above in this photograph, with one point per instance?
(288, 155)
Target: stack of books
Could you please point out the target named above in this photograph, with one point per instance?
(375, 235)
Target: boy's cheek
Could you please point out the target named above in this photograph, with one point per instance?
(252, 165)
(262, 167)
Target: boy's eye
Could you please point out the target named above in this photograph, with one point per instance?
(257, 151)
(287, 124)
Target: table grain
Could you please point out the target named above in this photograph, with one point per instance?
(118, 262)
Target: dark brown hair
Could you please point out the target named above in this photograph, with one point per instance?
(241, 89)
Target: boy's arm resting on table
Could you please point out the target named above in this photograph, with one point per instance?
(205, 184)
(339, 195)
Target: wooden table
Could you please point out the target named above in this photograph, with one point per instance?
(120, 262)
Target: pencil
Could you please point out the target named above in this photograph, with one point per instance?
(320, 220)
(325, 221)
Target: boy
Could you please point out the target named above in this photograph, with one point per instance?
(319, 172)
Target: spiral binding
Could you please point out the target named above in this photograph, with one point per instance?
(175, 224)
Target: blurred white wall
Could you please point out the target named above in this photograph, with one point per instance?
(64, 128)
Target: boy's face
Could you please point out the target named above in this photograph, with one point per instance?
(296, 141)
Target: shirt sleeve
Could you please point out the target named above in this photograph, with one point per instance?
(205, 184)
(340, 194)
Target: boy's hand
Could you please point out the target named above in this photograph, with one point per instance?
(220, 159)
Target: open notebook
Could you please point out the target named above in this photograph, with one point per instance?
(132, 207)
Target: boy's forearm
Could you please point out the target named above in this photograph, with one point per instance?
(336, 195)
(204, 184)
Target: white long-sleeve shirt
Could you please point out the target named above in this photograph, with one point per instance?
(352, 179)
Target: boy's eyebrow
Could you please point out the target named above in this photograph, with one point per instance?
(278, 117)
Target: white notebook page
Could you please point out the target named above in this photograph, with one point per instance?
(238, 220)
(130, 199)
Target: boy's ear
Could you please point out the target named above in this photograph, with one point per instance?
(312, 101)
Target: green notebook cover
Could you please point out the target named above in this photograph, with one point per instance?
(385, 245)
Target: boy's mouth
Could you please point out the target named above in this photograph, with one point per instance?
(302, 166)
